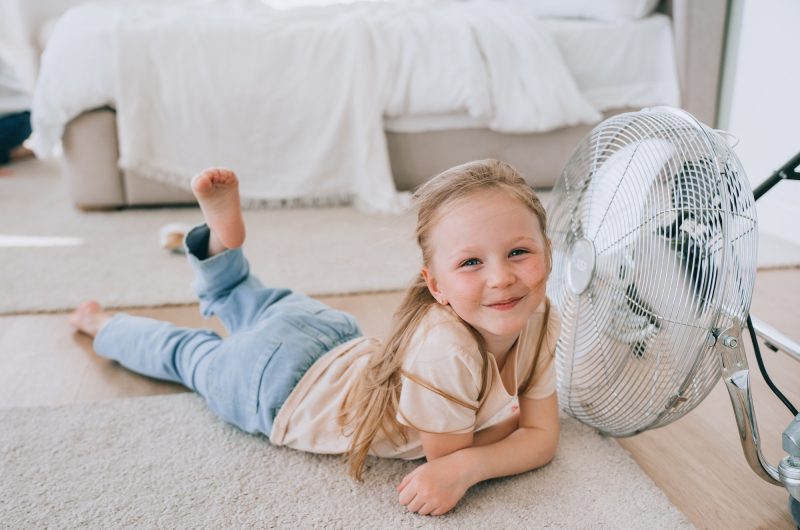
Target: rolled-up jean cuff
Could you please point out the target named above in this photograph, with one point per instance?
(106, 340)
(196, 244)
(196, 241)
(224, 269)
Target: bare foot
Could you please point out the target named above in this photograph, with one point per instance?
(217, 191)
(89, 317)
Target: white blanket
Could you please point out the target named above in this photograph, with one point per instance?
(294, 100)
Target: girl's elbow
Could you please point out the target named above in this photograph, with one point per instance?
(550, 445)
(550, 452)
(543, 443)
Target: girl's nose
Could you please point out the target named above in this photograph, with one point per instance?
(500, 276)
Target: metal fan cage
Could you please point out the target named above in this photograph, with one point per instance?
(654, 237)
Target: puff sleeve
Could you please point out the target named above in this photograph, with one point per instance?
(441, 381)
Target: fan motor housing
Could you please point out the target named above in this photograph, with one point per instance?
(580, 265)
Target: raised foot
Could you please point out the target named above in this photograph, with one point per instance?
(217, 192)
(89, 317)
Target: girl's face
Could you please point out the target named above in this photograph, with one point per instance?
(488, 261)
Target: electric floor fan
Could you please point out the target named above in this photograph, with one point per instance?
(654, 232)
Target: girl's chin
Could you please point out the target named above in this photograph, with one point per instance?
(505, 331)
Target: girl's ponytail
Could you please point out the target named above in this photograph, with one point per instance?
(372, 403)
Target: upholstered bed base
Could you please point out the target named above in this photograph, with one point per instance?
(95, 182)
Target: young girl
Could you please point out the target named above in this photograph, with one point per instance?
(474, 331)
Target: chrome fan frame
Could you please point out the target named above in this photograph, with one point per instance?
(654, 233)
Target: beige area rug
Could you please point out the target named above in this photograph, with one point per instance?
(53, 256)
(167, 462)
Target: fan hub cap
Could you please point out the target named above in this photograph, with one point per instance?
(580, 265)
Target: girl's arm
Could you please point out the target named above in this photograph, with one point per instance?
(532, 445)
(435, 487)
(439, 445)
(498, 431)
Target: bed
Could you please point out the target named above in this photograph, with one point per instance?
(438, 119)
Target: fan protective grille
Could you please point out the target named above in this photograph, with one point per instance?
(654, 237)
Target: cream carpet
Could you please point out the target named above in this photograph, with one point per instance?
(167, 462)
(54, 256)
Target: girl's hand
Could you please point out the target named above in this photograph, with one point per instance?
(434, 488)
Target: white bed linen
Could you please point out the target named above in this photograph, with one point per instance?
(294, 100)
(615, 65)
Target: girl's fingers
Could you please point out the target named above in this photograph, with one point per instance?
(441, 510)
(406, 495)
(416, 504)
(405, 481)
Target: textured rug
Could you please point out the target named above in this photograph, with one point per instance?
(54, 256)
(167, 462)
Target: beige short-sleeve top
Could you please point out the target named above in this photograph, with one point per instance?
(442, 375)
(441, 383)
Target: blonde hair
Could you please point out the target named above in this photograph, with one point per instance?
(371, 406)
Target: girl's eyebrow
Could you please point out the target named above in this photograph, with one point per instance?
(462, 253)
(521, 239)
(469, 251)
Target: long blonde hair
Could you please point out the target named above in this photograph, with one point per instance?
(371, 406)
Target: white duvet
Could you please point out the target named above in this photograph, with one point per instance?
(294, 100)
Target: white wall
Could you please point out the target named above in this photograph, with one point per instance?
(761, 103)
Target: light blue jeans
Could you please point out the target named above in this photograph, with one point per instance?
(275, 335)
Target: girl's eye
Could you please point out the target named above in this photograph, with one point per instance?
(518, 252)
(471, 262)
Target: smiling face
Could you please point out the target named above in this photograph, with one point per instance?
(489, 262)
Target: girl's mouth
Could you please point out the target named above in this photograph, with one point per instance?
(505, 305)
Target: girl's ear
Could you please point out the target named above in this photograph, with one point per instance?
(433, 286)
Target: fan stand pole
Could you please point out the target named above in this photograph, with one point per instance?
(789, 171)
(737, 380)
(775, 340)
(736, 375)
(738, 384)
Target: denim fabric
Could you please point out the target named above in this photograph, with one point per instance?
(14, 129)
(275, 335)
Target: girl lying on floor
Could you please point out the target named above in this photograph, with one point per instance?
(474, 331)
